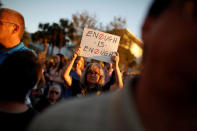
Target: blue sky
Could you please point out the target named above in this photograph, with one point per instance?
(36, 11)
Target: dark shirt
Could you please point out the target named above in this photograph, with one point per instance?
(73, 74)
(77, 86)
(42, 104)
(16, 121)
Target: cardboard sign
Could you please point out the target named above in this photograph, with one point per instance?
(98, 45)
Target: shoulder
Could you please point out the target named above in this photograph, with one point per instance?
(91, 109)
(21, 47)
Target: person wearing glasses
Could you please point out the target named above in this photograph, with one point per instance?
(164, 98)
(12, 26)
(52, 98)
(92, 79)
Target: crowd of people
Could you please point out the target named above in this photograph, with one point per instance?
(73, 94)
(39, 82)
(74, 77)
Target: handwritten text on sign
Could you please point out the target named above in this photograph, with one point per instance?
(99, 45)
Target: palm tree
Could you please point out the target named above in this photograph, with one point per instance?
(1, 4)
(66, 32)
(42, 36)
(54, 32)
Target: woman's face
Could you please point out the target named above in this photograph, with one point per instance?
(93, 75)
(57, 59)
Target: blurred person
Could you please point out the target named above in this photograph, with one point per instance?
(108, 68)
(42, 55)
(19, 73)
(77, 67)
(56, 73)
(52, 98)
(35, 96)
(37, 92)
(12, 26)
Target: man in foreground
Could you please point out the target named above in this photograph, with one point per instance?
(12, 26)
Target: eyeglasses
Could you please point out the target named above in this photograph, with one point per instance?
(52, 92)
(93, 72)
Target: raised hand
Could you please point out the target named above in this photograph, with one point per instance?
(115, 59)
(77, 52)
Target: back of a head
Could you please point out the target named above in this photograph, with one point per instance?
(157, 9)
(14, 16)
(169, 76)
(18, 74)
(158, 6)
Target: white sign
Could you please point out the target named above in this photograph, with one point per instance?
(98, 45)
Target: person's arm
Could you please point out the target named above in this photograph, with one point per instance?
(42, 55)
(68, 68)
(115, 60)
(42, 81)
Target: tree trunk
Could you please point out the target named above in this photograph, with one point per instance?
(52, 49)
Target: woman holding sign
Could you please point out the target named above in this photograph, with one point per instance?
(93, 78)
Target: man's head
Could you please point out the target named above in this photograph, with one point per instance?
(54, 92)
(169, 34)
(12, 26)
(19, 73)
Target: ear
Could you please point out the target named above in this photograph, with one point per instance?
(15, 28)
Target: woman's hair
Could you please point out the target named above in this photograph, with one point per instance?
(61, 63)
(89, 67)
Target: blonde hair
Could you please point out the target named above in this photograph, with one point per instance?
(91, 66)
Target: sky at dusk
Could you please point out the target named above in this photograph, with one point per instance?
(44, 11)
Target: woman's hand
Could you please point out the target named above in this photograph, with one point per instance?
(77, 52)
(115, 59)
